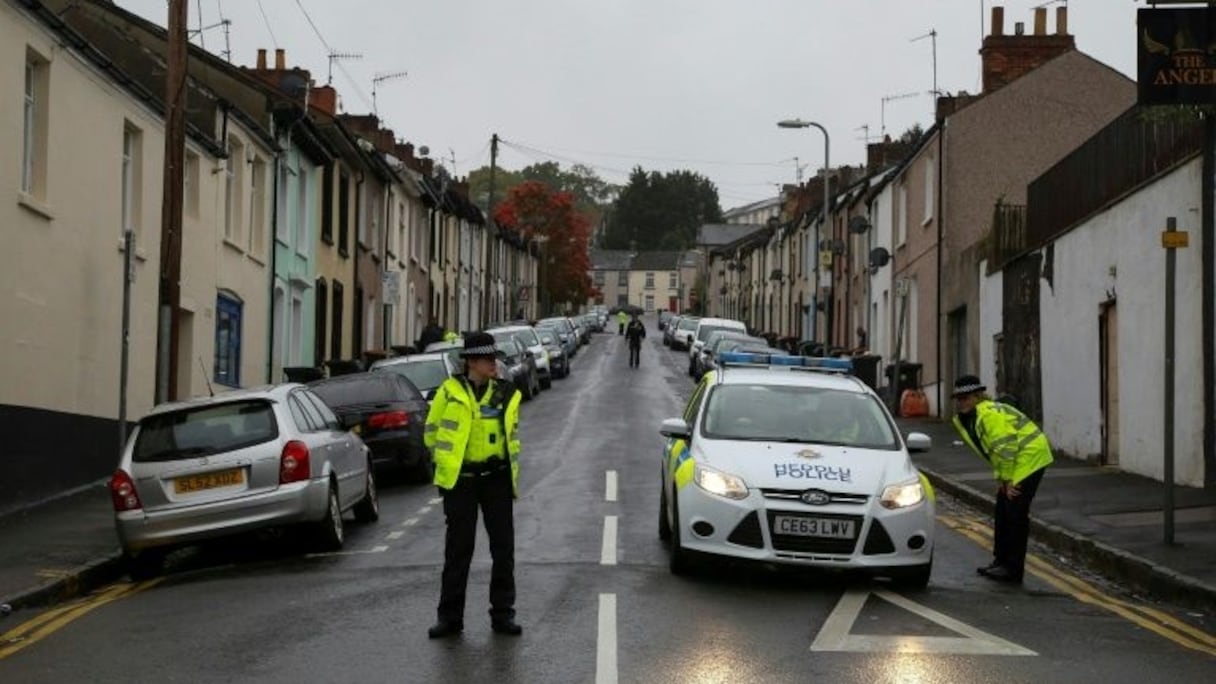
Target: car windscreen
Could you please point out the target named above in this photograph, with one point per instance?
(362, 388)
(548, 338)
(797, 414)
(526, 338)
(728, 342)
(211, 429)
(426, 375)
(508, 347)
(688, 324)
(705, 331)
(560, 323)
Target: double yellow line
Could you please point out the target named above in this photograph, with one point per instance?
(36, 629)
(1149, 618)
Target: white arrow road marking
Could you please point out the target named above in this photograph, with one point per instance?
(605, 651)
(608, 552)
(610, 486)
(835, 636)
(374, 549)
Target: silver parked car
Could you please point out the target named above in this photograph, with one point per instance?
(237, 462)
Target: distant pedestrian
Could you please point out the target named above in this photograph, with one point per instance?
(1019, 454)
(635, 332)
(473, 431)
(432, 333)
(621, 319)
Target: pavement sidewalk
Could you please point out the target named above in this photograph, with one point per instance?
(1109, 520)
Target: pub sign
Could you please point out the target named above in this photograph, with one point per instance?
(1176, 56)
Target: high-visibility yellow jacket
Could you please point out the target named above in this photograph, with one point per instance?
(450, 336)
(622, 317)
(461, 429)
(1012, 443)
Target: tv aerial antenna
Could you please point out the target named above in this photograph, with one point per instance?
(891, 98)
(381, 78)
(336, 57)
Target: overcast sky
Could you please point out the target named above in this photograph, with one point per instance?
(666, 84)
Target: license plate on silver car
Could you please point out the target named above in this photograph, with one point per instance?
(799, 526)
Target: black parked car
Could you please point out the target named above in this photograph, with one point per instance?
(520, 364)
(388, 412)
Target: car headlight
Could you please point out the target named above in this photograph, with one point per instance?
(555, 353)
(902, 495)
(720, 483)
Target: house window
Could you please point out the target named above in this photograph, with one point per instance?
(282, 221)
(232, 191)
(650, 302)
(131, 173)
(671, 280)
(322, 310)
(190, 184)
(901, 218)
(622, 279)
(335, 324)
(34, 131)
(302, 217)
(622, 300)
(649, 281)
(343, 214)
(327, 204)
(228, 340)
(599, 278)
(257, 206)
(930, 171)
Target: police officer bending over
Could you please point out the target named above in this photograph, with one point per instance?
(473, 431)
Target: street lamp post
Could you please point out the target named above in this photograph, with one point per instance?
(827, 146)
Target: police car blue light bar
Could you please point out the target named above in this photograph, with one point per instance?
(778, 360)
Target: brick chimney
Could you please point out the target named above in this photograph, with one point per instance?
(1008, 57)
(881, 155)
(324, 99)
(261, 59)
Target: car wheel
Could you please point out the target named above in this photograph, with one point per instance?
(692, 371)
(329, 530)
(680, 560)
(368, 508)
(526, 390)
(915, 577)
(546, 383)
(144, 565)
(664, 523)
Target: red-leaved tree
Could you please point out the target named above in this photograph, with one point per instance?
(538, 212)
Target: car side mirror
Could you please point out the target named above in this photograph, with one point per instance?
(676, 428)
(918, 442)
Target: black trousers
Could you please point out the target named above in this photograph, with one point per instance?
(492, 493)
(635, 354)
(620, 328)
(1011, 525)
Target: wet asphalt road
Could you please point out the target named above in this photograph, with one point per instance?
(263, 610)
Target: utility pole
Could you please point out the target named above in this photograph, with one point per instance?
(169, 297)
(494, 243)
(508, 293)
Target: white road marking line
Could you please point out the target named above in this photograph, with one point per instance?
(326, 554)
(605, 642)
(835, 634)
(409, 522)
(608, 553)
(610, 486)
(424, 510)
(394, 536)
(436, 500)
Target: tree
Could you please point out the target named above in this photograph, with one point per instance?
(657, 211)
(535, 210)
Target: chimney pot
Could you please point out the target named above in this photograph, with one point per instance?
(1062, 21)
(1040, 21)
(261, 59)
(1019, 28)
(280, 59)
(998, 21)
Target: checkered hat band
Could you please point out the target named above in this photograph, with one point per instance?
(479, 351)
(968, 389)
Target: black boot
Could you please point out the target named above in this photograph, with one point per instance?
(443, 629)
(506, 626)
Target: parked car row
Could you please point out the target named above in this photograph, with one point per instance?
(304, 455)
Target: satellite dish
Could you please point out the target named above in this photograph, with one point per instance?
(424, 150)
(858, 224)
(879, 257)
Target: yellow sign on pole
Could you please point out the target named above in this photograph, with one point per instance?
(1175, 239)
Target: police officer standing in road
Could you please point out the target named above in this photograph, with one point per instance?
(621, 319)
(1019, 454)
(635, 332)
(473, 431)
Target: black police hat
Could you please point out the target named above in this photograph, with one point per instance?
(966, 385)
(478, 344)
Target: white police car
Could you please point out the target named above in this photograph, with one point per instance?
(792, 460)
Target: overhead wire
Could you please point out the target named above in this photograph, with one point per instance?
(354, 84)
(269, 29)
